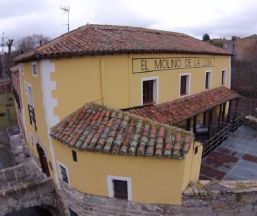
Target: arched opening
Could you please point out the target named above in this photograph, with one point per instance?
(34, 211)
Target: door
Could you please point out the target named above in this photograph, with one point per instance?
(43, 160)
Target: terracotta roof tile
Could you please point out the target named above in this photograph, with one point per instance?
(184, 108)
(97, 128)
(108, 39)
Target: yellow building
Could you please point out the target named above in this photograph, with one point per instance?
(110, 97)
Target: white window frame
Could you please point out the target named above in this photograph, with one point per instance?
(225, 77)
(210, 79)
(21, 68)
(121, 178)
(60, 174)
(27, 90)
(155, 88)
(188, 84)
(32, 66)
(25, 87)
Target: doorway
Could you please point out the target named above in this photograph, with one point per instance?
(43, 160)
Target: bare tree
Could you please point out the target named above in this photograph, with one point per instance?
(30, 42)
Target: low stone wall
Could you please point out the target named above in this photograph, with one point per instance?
(205, 198)
(251, 121)
(222, 198)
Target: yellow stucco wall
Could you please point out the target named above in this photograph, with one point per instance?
(154, 180)
(109, 80)
(40, 136)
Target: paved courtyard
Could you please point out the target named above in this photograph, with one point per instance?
(234, 159)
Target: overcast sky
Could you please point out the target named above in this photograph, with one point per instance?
(218, 18)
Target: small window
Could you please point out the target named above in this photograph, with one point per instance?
(72, 213)
(63, 174)
(25, 87)
(196, 150)
(34, 69)
(74, 156)
(30, 95)
(207, 80)
(21, 68)
(120, 189)
(223, 77)
(184, 85)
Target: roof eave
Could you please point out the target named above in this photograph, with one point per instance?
(114, 52)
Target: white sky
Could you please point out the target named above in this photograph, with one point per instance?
(218, 18)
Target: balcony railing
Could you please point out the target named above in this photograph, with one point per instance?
(32, 116)
(219, 133)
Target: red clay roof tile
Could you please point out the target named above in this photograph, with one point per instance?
(109, 39)
(184, 108)
(117, 132)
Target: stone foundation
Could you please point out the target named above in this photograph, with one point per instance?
(24, 185)
(205, 198)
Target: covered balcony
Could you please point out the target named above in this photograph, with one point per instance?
(211, 115)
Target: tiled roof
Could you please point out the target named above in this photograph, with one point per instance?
(97, 128)
(109, 39)
(184, 108)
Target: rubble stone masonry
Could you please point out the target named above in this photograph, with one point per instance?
(204, 198)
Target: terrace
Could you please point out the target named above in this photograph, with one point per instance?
(234, 159)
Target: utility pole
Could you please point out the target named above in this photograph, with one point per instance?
(2, 55)
(66, 10)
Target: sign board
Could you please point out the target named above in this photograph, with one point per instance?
(141, 65)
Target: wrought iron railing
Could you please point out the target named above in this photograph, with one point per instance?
(32, 116)
(219, 133)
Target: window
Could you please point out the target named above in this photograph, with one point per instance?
(184, 84)
(74, 156)
(208, 80)
(25, 87)
(72, 213)
(34, 69)
(149, 90)
(223, 77)
(63, 173)
(119, 187)
(21, 68)
(30, 96)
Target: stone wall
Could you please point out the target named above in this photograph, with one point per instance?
(25, 185)
(205, 198)
(251, 121)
